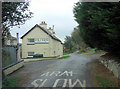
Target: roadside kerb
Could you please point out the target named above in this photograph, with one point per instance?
(38, 59)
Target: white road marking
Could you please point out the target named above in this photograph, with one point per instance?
(55, 73)
(45, 74)
(70, 83)
(43, 83)
(56, 82)
(77, 81)
(35, 82)
(66, 73)
(58, 73)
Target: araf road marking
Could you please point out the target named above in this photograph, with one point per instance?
(66, 73)
(35, 82)
(58, 73)
(55, 73)
(77, 81)
(56, 82)
(45, 74)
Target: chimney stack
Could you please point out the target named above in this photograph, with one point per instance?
(43, 25)
(53, 33)
(50, 30)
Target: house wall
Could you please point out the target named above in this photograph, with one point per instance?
(57, 48)
(47, 49)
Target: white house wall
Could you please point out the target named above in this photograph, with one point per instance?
(47, 49)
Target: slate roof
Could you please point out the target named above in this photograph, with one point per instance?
(53, 37)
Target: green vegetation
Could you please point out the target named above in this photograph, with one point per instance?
(86, 51)
(10, 82)
(82, 52)
(91, 50)
(103, 82)
(66, 53)
(74, 42)
(64, 57)
(14, 14)
(99, 25)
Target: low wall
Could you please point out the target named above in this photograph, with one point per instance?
(13, 67)
(112, 65)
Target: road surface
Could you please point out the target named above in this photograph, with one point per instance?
(70, 72)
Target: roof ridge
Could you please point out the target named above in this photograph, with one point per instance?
(55, 38)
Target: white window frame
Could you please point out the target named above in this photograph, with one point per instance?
(41, 40)
(30, 55)
(30, 42)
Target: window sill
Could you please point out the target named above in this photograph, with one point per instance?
(30, 43)
(30, 56)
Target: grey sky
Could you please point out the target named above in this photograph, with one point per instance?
(54, 12)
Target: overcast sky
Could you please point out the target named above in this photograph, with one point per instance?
(54, 12)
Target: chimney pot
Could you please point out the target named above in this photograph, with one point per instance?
(53, 33)
(43, 24)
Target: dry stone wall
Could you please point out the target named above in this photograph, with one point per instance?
(112, 65)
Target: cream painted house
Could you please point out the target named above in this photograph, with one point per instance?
(40, 40)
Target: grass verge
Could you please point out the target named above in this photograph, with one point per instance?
(66, 53)
(82, 52)
(101, 76)
(10, 82)
(64, 57)
(90, 50)
(104, 82)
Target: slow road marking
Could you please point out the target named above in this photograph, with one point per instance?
(36, 84)
(41, 82)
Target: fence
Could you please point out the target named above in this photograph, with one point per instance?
(9, 55)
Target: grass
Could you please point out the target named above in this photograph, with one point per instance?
(64, 57)
(66, 53)
(10, 82)
(91, 50)
(82, 52)
(103, 82)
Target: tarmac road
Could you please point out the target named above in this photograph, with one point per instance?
(70, 72)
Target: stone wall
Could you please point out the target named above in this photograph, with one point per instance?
(111, 64)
